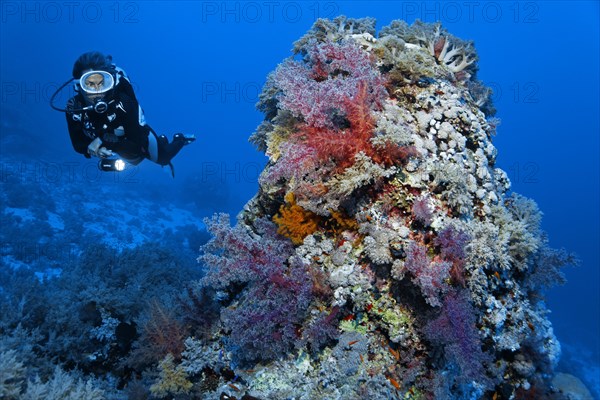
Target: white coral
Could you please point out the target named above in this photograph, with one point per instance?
(12, 374)
(365, 40)
(63, 386)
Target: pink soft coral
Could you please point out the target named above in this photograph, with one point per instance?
(318, 88)
(429, 276)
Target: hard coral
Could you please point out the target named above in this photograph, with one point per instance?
(334, 30)
(450, 51)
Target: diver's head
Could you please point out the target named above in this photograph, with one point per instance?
(92, 60)
(96, 80)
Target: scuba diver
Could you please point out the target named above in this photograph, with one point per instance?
(105, 119)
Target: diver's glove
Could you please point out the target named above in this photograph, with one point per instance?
(94, 147)
(95, 150)
(103, 152)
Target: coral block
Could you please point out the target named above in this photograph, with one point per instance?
(405, 267)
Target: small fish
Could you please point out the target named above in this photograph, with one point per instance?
(353, 342)
(394, 382)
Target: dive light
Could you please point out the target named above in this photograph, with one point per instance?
(111, 164)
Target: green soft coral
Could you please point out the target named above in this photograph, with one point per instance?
(172, 380)
(396, 320)
(355, 325)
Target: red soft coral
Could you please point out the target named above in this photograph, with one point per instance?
(162, 334)
(341, 146)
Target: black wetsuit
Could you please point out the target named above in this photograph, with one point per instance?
(134, 141)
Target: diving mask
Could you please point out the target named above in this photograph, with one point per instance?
(95, 85)
(96, 82)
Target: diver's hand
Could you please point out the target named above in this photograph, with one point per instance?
(103, 152)
(94, 147)
(95, 150)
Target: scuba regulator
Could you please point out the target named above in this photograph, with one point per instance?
(95, 88)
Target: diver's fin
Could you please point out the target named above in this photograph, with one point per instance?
(172, 169)
(186, 139)
(190, 139)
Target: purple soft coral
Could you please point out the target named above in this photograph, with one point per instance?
(452, 242)
(234, 255)
(298, 160)
(455, 330)
(271, 297)
(421, 210)
(265, 322)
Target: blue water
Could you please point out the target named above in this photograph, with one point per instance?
(198, 68)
